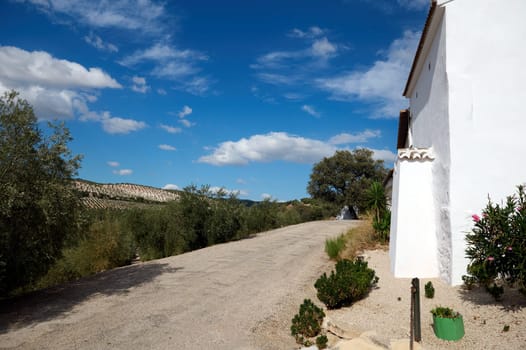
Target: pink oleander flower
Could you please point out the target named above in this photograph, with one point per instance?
(509, 249)
(490, 258)
(475, 217)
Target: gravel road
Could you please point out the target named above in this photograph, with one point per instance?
(239, 295)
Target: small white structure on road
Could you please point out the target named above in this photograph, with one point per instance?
(464, 136)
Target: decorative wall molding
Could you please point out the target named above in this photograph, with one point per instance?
(416, 153)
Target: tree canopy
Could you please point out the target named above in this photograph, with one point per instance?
(345, 177)
(38, 204)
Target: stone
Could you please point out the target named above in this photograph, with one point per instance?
(342, 331)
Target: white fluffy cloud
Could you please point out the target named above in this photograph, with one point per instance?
(323, 48)
(139, 84)
(312, 32)
(97, 42)
(346, 138)
(169, 62)
(39, 68)
(186, 123)
(319, 49)
(381, 84)
(141, 16)
(294, 69)
(170, 187)
(166, 147)
(171, 129)
(184, 112)
(123, 172)
(116, 125)
(110, 124)
(161, 52)
(384, 154)
(58, 88)
(280, 146)
(310, 110)
(113, 164)
(269, 147)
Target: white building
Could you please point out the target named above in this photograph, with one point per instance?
(464, 136)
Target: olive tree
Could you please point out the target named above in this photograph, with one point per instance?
(345, 177)
(38, 205)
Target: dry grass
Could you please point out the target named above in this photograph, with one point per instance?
(359, 239)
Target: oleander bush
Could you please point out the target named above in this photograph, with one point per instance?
(351, 281)
(496, 246)
(307, 322)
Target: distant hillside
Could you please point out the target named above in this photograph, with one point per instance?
(121, 195)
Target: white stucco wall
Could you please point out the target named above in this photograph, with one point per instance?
(486, 54)
(413, 240)
(430, 128)
(466, 103)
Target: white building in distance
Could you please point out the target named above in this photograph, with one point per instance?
(464, 136)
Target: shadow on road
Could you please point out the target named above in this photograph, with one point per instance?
(51, 303)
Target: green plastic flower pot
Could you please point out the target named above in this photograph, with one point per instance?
(448, 328)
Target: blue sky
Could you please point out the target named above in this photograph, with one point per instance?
(244, 95)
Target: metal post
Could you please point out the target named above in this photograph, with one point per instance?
(416, 317)
(411, 318)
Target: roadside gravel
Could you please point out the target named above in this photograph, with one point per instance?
(386, 311)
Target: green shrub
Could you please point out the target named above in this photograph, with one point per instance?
(429, 290)
(497, 246)
(495, 290)
(106, 245)
(321, 342)
(307, 322)
(351, 281)
(334, 246)
(382, 226)
(444, 312)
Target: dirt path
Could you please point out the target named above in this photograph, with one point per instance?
(239, 295)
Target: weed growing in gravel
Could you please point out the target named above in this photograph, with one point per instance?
(321, 342)
(429, 290)
(334, 246)
(307, 322)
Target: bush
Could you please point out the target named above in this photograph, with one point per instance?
(429, 290)
(351, 281)
(497, 246)
(444, 312)
(382, 226)
(334, 246)
(106, 245)
(321, 342)
(307, 322)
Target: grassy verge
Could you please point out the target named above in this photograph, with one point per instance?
(359, 239)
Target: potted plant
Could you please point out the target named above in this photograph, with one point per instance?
(447, 323)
